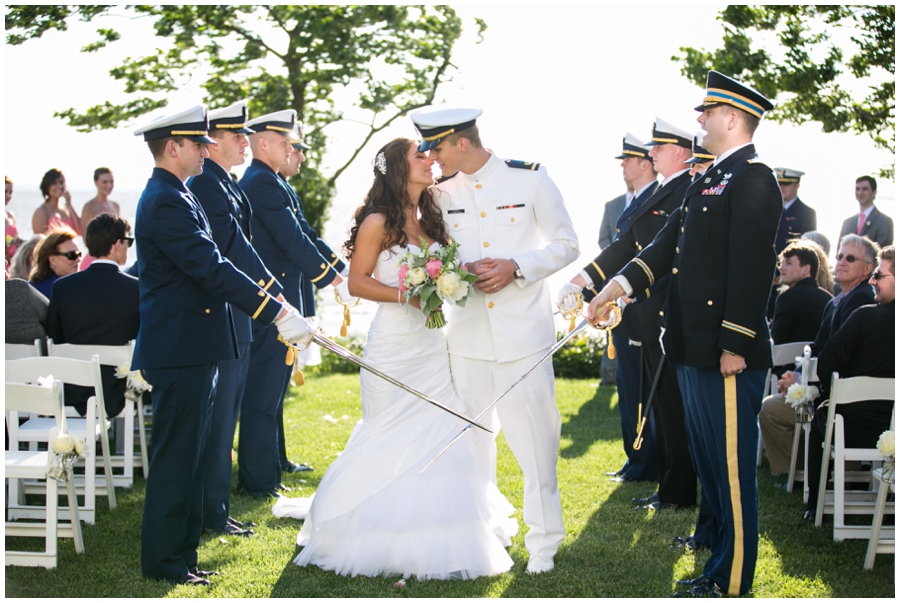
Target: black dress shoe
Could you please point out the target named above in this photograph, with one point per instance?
(689, 582)
(230, 530)
(283, 488)
(189, 579)
(258, 494)
(703, 587)
(202, 573)
(291, 467)
(658, 506)
(687, 542)
(238, 524)
(809, 515)
(646, 501)
(614, 473)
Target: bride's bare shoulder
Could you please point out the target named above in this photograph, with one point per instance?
(372, 226)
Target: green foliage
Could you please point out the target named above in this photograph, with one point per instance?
(810, 80)
(332, 363)
(580, 359)
(391, 58)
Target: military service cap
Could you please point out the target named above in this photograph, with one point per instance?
(723, 90)
(787, 175)
(666, 133)
(698, 153)
(436, 122)
(280, 122)
(232, 118)
(297, 137)
(633, 147)
(191, 123)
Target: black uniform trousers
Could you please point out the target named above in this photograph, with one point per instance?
(182, 408)
(677, 480)
(259, 468)
(721, 414)
(226, 408)
(642, 465)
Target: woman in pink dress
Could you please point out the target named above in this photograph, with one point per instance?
(13, 242)
(103, 180)
(57, 208)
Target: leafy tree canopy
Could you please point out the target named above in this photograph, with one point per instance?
(389, 59)
(845, 85)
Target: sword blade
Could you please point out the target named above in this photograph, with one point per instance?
(559, 344)
(347, 354)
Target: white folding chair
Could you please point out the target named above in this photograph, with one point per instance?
(876, 543)
(782, 354)
(808, 375)
(92, 427)
(841, 503)
(117, 355)
(32, 464)
(14, 351)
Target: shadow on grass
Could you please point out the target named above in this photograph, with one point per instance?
(592, 422)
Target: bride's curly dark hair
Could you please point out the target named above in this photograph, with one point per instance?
(388, 197)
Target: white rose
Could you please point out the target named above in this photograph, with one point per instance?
(80, 447)
(795, 394)
(63, 444)
(416, 276)
(452, 288)
(886, 444)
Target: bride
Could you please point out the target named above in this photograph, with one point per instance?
(373, 513)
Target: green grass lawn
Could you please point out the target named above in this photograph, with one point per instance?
(610, 550)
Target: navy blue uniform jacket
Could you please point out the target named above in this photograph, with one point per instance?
(228, 212)
(184, 280)
(795, 220)
(718, 250)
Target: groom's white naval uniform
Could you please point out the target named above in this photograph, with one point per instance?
(508, 210)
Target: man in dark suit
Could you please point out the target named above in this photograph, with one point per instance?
(717, 250)
(640, 465)
(869, 222)
(797, 217)
(671, 148)
(98, 307)
(186, 292)
(228, 212)
(862, 347)
(288, 252)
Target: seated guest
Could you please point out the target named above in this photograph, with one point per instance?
(20, 267)
(862, 347)
(824, 277)
(98, 306)
(26, 312)
(776, 419)
(799, 307)
(54, 257)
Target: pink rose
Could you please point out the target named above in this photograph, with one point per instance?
(433, 268)
(403, 270)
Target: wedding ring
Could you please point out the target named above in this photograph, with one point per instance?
(739, 371)
(495, 287)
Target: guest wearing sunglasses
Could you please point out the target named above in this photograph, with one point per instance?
(98, 306)
(54, 257)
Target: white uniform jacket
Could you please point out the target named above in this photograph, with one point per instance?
(506, 212)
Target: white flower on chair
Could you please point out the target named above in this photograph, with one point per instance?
(798, 394)
(66, 450)
(886, 444)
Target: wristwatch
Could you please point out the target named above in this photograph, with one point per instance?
(518, 273)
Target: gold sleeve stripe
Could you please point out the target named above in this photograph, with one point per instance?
(734, 483)
(335, 262)
(738, 329)
(645, 268)
(261, 306)
(597, 268)
(321, 276)
(594, 291)
(647, 292)
(266, 288)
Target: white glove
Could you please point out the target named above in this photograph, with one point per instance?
(343, 291)
(294, 328)
(568, 298)
(346, 271)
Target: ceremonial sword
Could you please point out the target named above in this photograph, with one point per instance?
(348, 355)
(614, 320)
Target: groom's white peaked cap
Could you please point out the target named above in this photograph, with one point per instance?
(436, 122)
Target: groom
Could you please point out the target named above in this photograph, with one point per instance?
(514, 232)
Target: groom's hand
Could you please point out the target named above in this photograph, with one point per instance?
(498, 274)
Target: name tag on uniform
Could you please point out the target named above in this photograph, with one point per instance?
(456, 211)
(510, 206)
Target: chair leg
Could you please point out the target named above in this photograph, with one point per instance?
(76, 522)
(52, 519)
(876, 526)
(128, 452)
(794, 448)
(142, 436)
(107, 466)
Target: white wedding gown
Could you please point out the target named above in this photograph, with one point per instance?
(373, 513)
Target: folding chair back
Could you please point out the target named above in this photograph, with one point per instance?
(14, 351)
(782, 354)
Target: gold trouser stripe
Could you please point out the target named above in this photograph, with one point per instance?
(266, 288)
(321, 276)
(261, 306)
(597, 268)
(734, 484)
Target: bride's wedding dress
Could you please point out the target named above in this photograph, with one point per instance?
(373, 513)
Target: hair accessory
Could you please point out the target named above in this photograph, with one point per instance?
(381, 163)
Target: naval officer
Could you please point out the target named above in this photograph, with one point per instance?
(186, 291)
(228, 211)
(287, 251)
(718, 252)
(797, 217)
(514, 231)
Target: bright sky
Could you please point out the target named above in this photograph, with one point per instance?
(559, 85)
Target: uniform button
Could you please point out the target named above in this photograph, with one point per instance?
(251, 237)
(241, 216)
(486, 244)
(709, 303)
(456, 225)
(682, 229)
(207, 310)
(677, 250)
(512, 219)
(661, 313)
(639, 248)
(704, 209)
(674, 270)
(619, 231)
(477, 186)
(490, 304)
(282, 274)
(484, 214)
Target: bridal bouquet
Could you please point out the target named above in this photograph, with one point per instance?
(435, 276)
(136, 383)
(801, 397)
